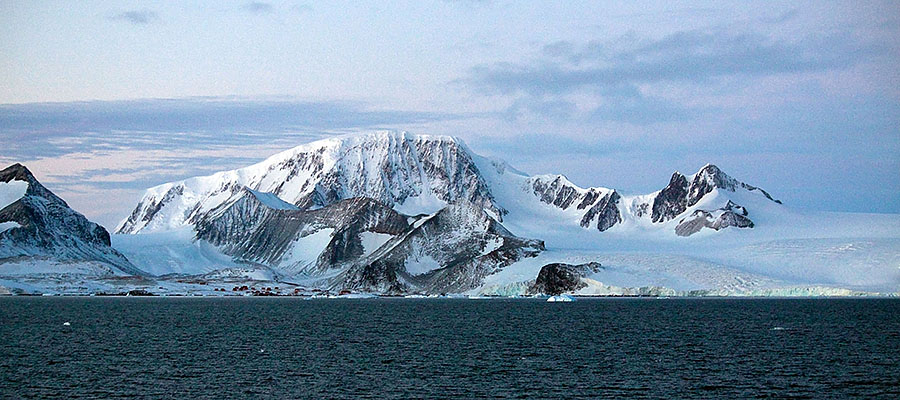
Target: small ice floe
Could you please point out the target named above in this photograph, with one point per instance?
(66, 323)
(355, 296)
(561, 297)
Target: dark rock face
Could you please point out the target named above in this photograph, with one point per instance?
(730, 215)
(248, 230)
(601, 204)
(605, 211)
(465, 243)
(730, 218)
(670, 201)
(558, 278)
(50, 229)
(557, 193)
(707, 179)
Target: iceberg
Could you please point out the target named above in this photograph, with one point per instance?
(561, 297)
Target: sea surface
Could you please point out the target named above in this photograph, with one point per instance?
(448, 348)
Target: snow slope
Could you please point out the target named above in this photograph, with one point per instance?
(11, 191)
(173, 252)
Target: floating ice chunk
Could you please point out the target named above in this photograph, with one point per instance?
(561, 297)
(354, 296)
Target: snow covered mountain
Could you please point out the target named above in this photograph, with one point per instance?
(37, 228)
(412, 174)
(391, 212)
(418, 174)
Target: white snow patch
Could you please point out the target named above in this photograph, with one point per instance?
(371, 241)
(11, 191)
(492, 244)
(422, 264)
(272, 201)
(161, 253)
(305, 250)
(52, 268)
(5, 226)
(422, 204)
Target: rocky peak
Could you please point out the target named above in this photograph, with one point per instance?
(48, 228)
(708, 178)
(18, 172)
(670, 201)
(678, 196)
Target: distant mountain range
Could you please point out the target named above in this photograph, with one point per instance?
(391, 212)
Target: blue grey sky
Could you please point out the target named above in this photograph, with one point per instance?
(102, 99)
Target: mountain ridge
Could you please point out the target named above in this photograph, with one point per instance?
(41, 225)
(414, 174)
(395, 213)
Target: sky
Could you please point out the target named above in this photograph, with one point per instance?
(103, 99)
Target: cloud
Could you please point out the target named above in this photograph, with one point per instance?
(468, 2)
(137, 17)
(689, 56)
(49, 129)
(258, 7)
(631, 79)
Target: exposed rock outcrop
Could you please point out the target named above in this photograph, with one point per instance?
(601, 204)
(557, 278)
(730, 215)
(251, 230)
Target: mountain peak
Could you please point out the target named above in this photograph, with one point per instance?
(379, 136)
(16, 172)
(713, 177)
(414, 174)
(44, 226)
(19, 172)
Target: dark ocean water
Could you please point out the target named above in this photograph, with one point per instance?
(430, 348)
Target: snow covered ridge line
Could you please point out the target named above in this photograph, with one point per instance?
(420, 174)
(413, 174)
